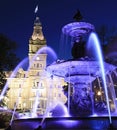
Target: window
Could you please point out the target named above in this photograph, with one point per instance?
(38, 74)
(37, 84)
(37, 65)
(20, 105)
(19, 85)
(40, 65)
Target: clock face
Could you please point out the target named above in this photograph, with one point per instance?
(37, 58)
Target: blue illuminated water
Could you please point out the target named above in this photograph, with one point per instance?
(51, 57)
(14, 73)
(94, 42)
(20, 65)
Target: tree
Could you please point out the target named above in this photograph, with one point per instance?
(8, 58)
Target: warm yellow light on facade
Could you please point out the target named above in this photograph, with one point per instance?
(99, 93)
(37, 58)
(24, 104)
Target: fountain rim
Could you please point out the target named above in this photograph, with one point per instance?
(75, 29)
(77, 61)
(68, 68)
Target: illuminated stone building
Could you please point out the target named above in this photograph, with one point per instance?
(25, 86)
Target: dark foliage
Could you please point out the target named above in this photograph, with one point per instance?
(8, 59)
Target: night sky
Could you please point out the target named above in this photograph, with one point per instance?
(17, 18)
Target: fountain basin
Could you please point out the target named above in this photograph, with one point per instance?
(71, 123)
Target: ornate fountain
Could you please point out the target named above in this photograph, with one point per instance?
(85, 87)
(90, 90)
(84, 78)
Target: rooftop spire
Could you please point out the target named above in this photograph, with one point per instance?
(37, 22)
(36, 9)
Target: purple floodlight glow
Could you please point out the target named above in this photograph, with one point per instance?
(69, 123)
(76, 67)
(84, 79)
(60, 110)
(77, 29)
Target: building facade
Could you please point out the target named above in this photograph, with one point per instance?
(33, 85)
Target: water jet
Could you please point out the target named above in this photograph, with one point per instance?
(88, 90)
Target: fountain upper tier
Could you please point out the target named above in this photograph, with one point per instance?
(77, 29)
(80, 71)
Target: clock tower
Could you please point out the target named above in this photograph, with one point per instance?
(37, 60)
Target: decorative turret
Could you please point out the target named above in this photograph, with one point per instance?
(37, 32)
(37, 39)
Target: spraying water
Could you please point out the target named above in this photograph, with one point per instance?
(94, 39)
(50, 59)
(20, 65)
(46, 50)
